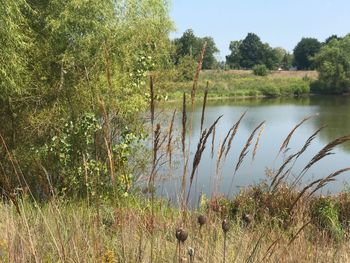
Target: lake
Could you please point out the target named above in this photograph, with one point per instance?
(281, 115)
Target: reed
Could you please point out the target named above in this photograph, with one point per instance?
(244, 152)
(198, 155)
(169, 147)
(234, 131)
(289, 136)
(204, 104)
(325, 151)
(257, 142)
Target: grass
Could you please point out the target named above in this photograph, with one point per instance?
(74, 232)
(243, 83)
(271, 222)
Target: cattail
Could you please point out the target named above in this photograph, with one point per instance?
(201, 220)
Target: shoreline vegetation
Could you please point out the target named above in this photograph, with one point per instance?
(244, 84)
(258, 230)
(80, 158)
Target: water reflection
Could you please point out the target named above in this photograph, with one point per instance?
(281, 115)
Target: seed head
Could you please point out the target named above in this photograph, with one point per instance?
(202, 220)
(190, 251)
(181, 235)
(246, 218)
(225, 226)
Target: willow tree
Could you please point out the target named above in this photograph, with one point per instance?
(65, 59)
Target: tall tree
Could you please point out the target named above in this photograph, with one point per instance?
(234, 59)
(333, 65)
(304, 51)
(190, 45)
(251, 51)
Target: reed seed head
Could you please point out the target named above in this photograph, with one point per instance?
(202, 220)
(181, 235)
(225, 226)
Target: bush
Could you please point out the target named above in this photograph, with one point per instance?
(186, 68)
(325, 215)
(260, 70)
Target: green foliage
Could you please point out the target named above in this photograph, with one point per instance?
(325, 215)
(287, 61)
(251, 51)
(304, 51)
(260, 70)
(63, 60)
(233, 60)
(333, 65)
(186, 68)
(190, 45)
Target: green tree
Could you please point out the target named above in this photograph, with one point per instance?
(287, 61)
(63, 60)
(333, 65)
(190, 45)
(304, 51)
(234, 59)
(330, 38)
(251, 51)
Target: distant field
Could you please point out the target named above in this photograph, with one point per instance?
(243, 83)
(273, 74)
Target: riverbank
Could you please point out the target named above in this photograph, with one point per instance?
(243, 84)
(260, 228)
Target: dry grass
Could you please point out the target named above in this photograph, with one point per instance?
(72, 233)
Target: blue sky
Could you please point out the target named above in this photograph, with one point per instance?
(281, 23)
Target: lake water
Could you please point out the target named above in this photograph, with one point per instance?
(281, 115)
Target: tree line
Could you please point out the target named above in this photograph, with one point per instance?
(249, 52)
(330, 58)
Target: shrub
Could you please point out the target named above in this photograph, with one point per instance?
(325, 215)
(260, 70)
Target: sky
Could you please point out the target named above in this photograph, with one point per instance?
(281, 23)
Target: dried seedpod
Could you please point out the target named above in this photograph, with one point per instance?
(191, 254)
(246, 218)
(201, 220)
(181, 235)
(225, 226)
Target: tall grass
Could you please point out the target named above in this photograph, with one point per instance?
(274, 222)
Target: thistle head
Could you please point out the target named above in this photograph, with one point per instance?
(225, 226)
